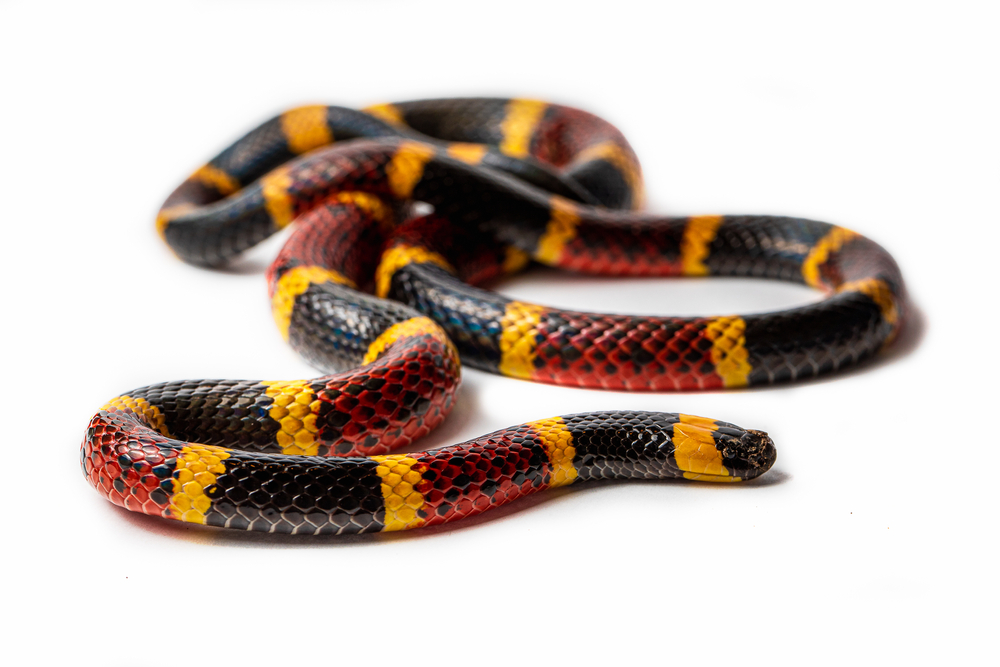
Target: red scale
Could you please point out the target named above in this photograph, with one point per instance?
(493, 464)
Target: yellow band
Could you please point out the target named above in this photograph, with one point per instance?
(399, 256)
(214, 177)
(407, 166)
(627, 166)
(729, 351)
(140, 406)
(294, 282)
(277, 200)
(387, 112)
(514, 259)
(168, 215)
(519, 125)
(698, 235)
(878, 291)
(468, 153)
(198, 467)
(367, 202)
(415, 326)
(305, 128)
(295, 408)
(518, 347)
(400, 475)
(820, 253)
(560, 230)
(558, 443)
(695, 451)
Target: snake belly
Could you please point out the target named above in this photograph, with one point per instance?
(387, 299)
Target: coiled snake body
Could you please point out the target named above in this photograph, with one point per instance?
(388, 299)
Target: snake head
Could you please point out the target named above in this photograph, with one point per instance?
(748, 455)
(707, 450)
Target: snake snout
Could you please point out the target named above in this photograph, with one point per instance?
(749, 456)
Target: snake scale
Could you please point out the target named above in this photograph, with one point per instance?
(403, 214)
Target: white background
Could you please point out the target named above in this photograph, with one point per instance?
(872, 539)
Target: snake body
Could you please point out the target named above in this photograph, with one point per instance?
(387, 299)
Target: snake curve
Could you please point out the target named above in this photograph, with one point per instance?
(387, 298)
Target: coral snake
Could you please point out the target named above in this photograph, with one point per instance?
(387, 296)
